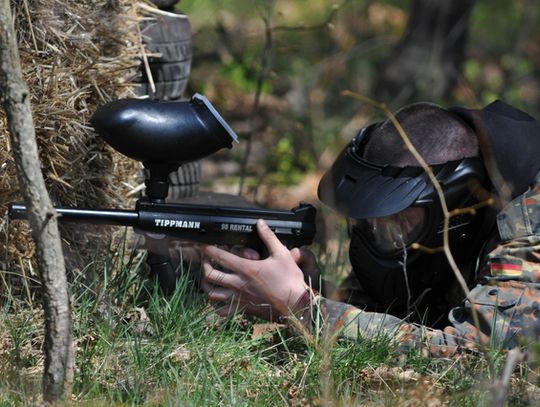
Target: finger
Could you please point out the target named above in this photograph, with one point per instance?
(226, 259)
(297, 256)
(304, 257)
(246, 253)
(250, 254)
(188, 254)
(219, 278)
(269, 238)
(218, 294)
(208, 288)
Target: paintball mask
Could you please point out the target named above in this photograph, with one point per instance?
(389, 208)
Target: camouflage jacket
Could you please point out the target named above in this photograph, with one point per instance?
(507, 302)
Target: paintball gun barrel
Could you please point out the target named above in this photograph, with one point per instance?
(198, 223)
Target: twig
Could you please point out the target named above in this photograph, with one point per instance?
(335, 9)
(30, 25)
(265, 64)
(155, 10)
(458, 211)
(445, 372)
(500, 386)
(406, 276)
(430, 250)
(472, 209)
(147, 69)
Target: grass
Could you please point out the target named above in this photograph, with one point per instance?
(134, 347)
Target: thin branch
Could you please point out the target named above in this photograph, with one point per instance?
(429, 250)
(27, 12)
(500, 386)
(323, 24)
(157, 11)
(472, 209)
(458, 211)
(265, 66)
(146, 64)
(405, 275)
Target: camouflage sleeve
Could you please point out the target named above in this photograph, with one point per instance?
(348, 321)
(508, 314)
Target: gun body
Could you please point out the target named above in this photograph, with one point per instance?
(163, 136)
(199, 223)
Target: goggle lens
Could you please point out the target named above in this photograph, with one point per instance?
(392, 233)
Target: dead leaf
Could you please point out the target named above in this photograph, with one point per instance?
(265, 330)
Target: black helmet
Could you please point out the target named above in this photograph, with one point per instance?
(389, 208)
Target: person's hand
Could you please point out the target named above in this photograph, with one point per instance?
(266, 288)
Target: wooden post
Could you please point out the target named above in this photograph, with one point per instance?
(15, 99)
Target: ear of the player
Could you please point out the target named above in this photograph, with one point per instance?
(269, 238)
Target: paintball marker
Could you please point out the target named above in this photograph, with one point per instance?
(163, 136)
(198, 223)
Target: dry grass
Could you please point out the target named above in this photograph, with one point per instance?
(76, 55)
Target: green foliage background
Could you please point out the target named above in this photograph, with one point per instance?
(319, 48)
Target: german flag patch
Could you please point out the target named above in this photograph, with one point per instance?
(505, 266)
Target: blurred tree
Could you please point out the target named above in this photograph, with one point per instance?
(427, 61)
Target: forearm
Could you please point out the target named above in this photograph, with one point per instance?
(333, 318)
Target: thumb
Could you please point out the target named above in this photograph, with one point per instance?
(269, 238)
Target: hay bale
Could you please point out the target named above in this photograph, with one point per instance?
(75, 55)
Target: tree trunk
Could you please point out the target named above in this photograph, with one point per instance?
(427, 61)
(16, 101)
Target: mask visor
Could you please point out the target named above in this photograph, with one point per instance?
(361, 190)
